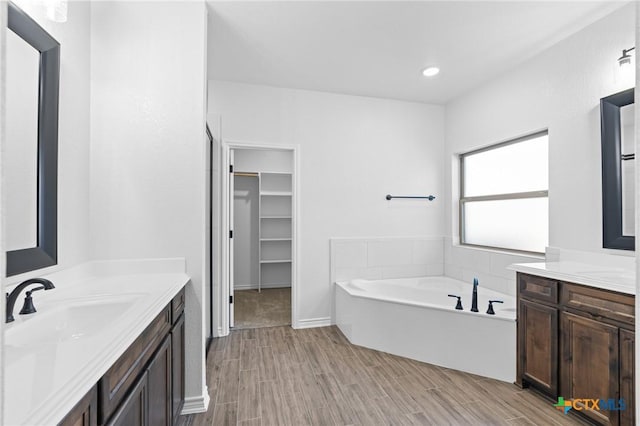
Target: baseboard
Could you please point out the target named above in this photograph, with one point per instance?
(313, 322)
(255, 286)
(196, 404)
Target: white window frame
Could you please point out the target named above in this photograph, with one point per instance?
(495, 197)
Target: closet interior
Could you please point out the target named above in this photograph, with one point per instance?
(263, 206)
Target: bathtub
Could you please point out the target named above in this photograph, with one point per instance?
(414, 318)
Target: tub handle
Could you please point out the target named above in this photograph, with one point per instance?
(459, 304)
(490, 309)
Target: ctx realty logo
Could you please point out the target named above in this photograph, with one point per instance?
(586, 404)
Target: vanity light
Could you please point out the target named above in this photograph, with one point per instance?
(625, 59)
(431, 71)
(57, 10)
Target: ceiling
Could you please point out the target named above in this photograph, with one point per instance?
(379, 48)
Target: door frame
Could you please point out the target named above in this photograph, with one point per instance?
(223, 300)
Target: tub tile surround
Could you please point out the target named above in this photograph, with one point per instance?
(489, 266)
(385, 257)
(406, 257)
(48, 379)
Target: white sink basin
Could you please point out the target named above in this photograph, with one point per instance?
(65, 322)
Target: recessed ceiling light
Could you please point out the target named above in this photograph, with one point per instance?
(431, 71)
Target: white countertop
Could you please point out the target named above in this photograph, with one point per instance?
(54, 357)
(618, 279)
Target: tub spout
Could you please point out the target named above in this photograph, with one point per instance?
(474, 296)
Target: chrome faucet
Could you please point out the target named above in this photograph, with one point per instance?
(11, 298)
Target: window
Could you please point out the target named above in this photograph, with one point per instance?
(504, 195)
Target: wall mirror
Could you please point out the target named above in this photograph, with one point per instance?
(31, 144)
(617, 121)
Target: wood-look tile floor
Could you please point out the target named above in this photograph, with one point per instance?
(281, 376)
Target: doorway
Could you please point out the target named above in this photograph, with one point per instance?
(261, 206)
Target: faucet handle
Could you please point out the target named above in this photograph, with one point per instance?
(459, 304)
(28, 307)
(490, 309)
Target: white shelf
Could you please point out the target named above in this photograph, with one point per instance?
(275, 194)
(275, 231)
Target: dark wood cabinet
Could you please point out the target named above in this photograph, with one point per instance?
(177, 355)
(149, 401)
(627, 376)
(85, 412)
(117, 381)
(159, 381)
(134, 408)
(590, 362)
(538, 342)
(577, 342)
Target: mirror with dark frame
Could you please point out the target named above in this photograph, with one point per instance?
(32, 245)
(618, 171)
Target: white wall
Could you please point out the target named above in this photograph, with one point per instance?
(148, 147)
(73, 132)
(3, 25)
(559, 90)
(353, 151)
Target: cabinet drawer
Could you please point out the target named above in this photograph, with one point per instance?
(599, 303)
(537, 288)
(120, 377)
(177, 306)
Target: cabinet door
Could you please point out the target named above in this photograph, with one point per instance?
(159, 381)
(538, 339)
(627, 376)
(589, 363)
(133, 411)
(177, 350)
(85, 413)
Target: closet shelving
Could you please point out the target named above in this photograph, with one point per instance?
(275, 231)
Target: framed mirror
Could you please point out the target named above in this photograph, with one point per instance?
(31, 146)
(617, 122)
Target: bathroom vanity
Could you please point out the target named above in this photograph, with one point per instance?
(576, 340)
(145, 386)
(104, 348)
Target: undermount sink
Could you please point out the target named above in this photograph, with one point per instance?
(73, 320)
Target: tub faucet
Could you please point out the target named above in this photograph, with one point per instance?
(474, 296)
(11, 298)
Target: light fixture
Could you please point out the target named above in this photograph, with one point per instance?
(625, 59)
(431, 71)
(57, 10)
